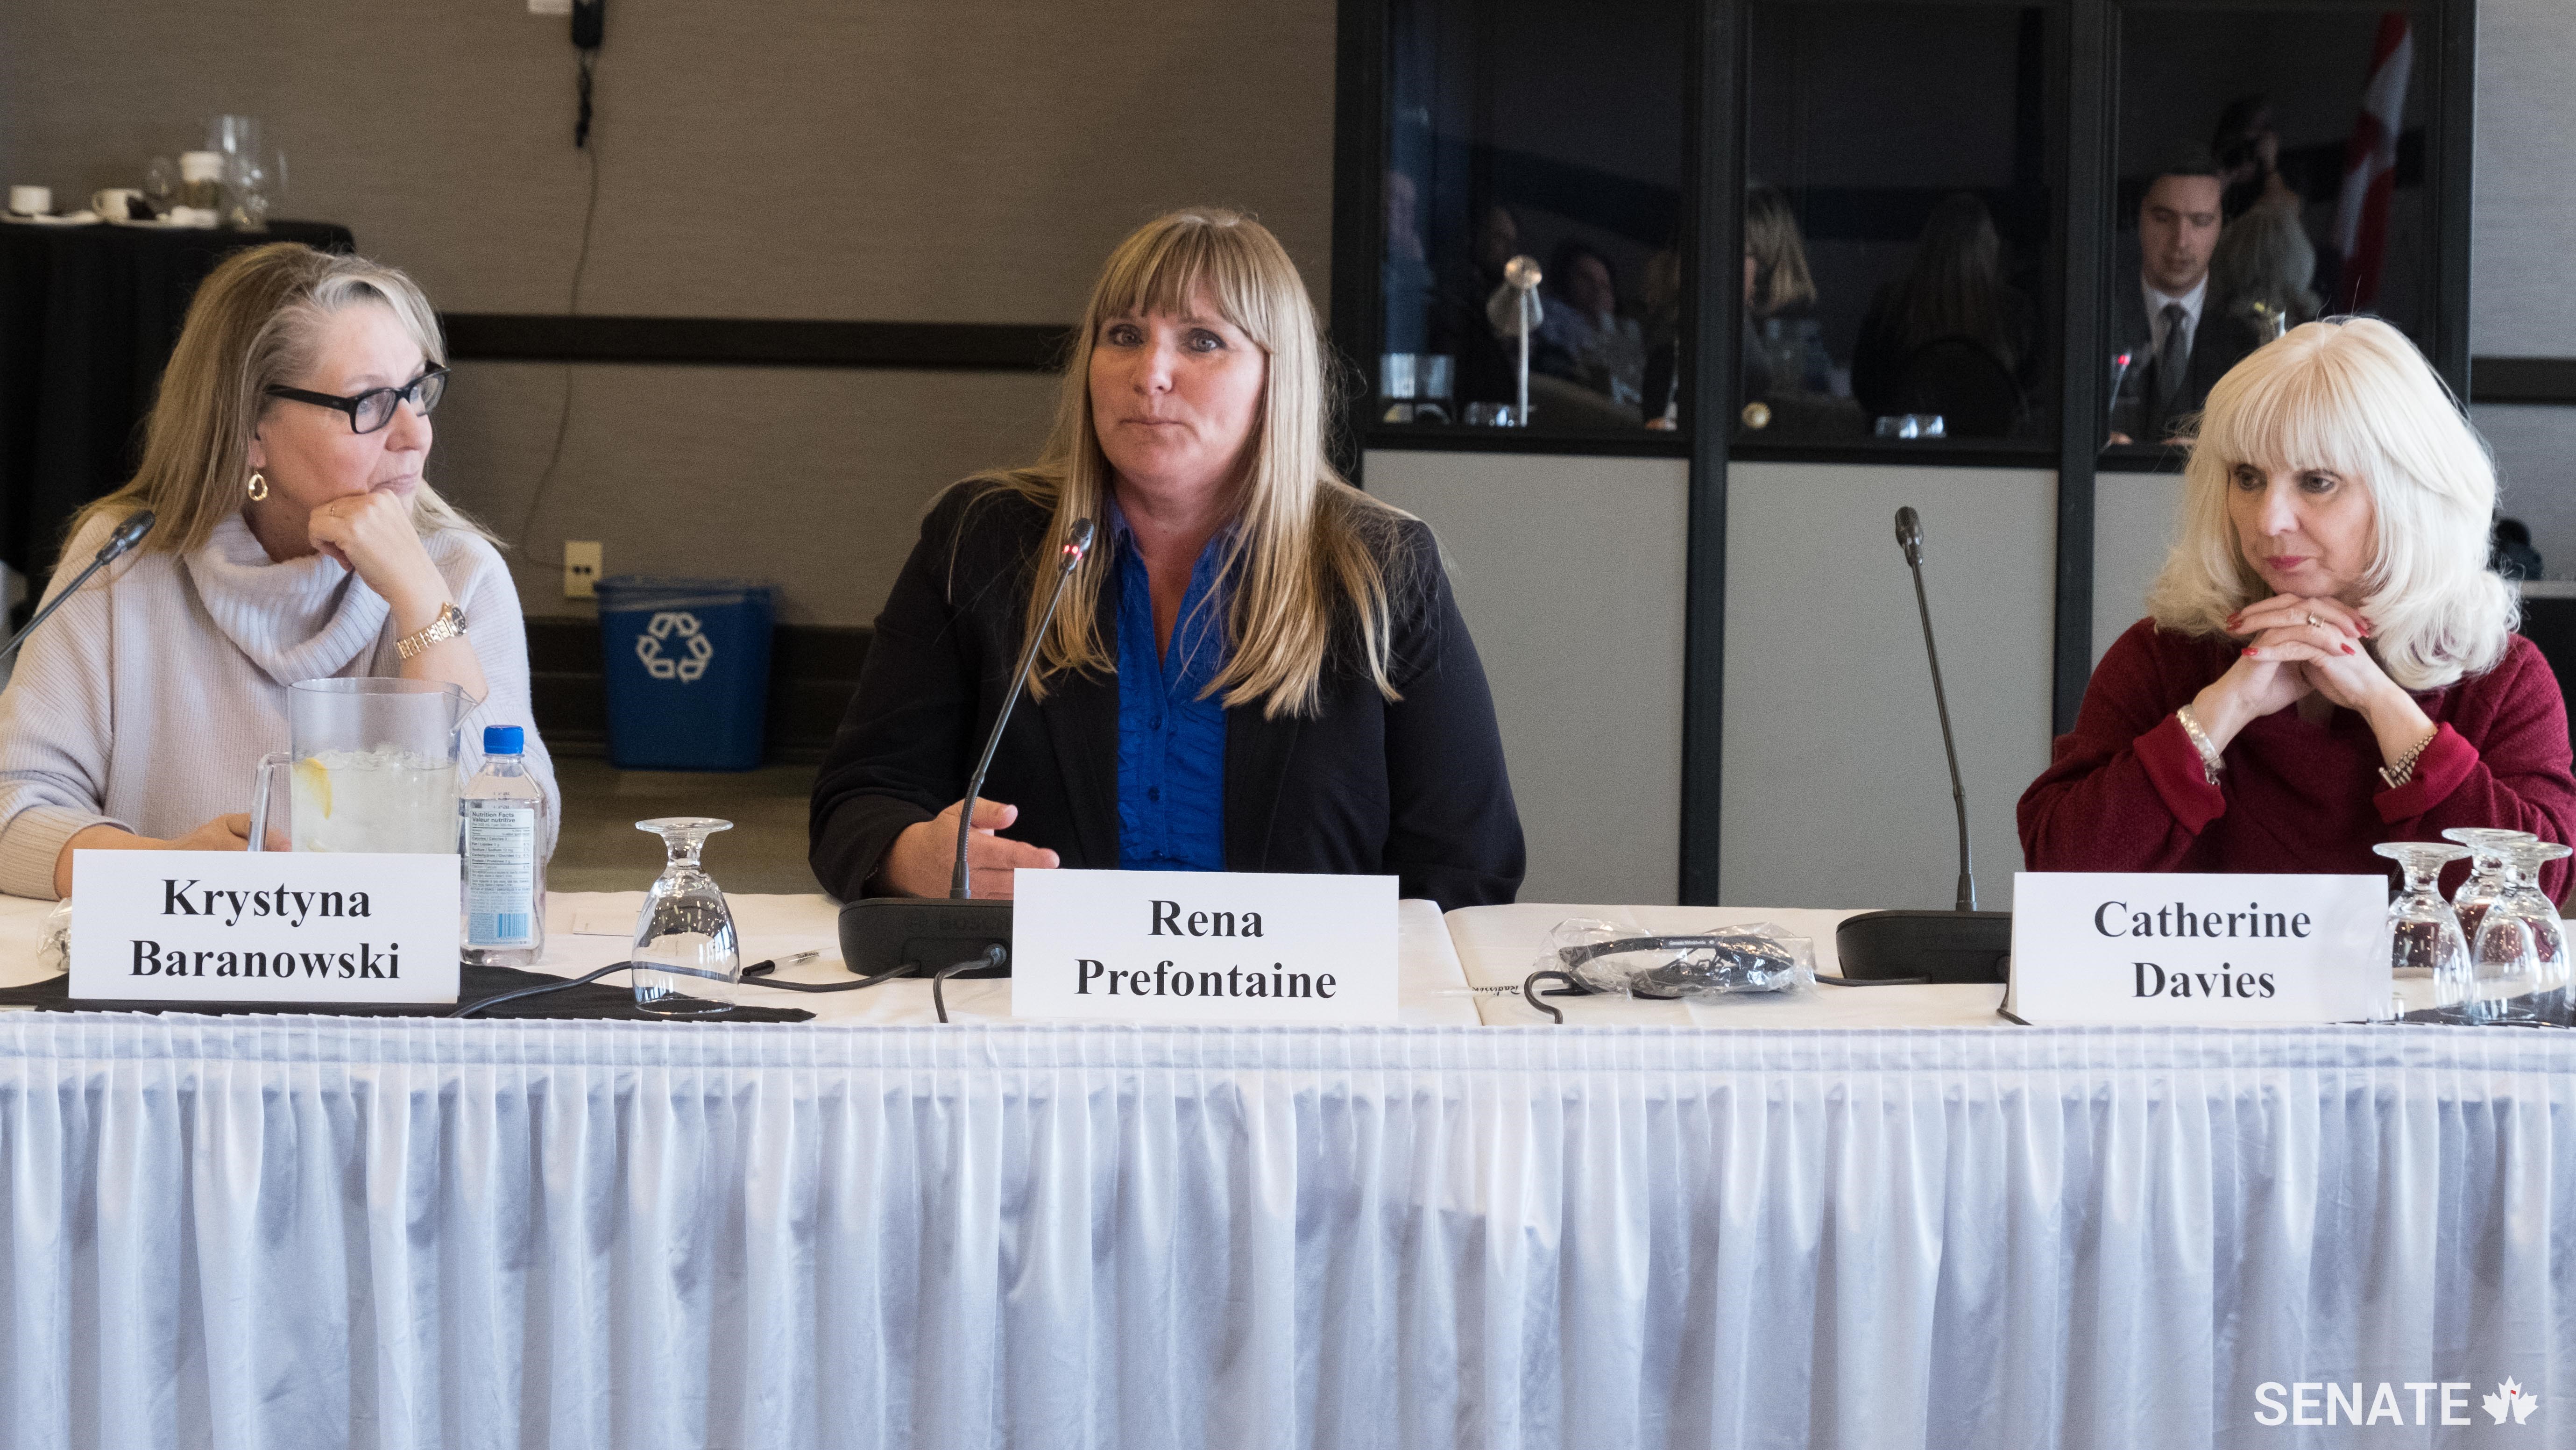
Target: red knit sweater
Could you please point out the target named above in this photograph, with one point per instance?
(2126, 792)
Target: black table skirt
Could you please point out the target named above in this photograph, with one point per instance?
(88, 316)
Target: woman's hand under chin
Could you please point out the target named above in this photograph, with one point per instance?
(373, 534)
(2302, 646)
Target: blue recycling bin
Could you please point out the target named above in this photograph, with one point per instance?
(688, 671)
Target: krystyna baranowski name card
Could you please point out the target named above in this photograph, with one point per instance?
(282, 926)
(1203, 946)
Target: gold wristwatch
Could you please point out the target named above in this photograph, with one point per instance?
(450, 624)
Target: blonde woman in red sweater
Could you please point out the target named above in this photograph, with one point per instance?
(2327, 661)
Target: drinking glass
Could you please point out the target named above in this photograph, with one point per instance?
(2486, 871)
(685, 925)
(2423, 934)
(2527, 904)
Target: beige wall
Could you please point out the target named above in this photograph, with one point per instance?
(963, 162)
(1836, 792)
(1571, 573)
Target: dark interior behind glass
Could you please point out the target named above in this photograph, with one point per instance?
(1898, 221)
(2284, 105)
(1557, 132)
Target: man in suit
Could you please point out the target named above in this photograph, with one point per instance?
(2171, 329)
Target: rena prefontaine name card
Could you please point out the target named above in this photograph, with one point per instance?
(2209, 949)
(1191, 946)
(267, 926)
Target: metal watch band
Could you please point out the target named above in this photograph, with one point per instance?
(450, 624)
(2404, 770)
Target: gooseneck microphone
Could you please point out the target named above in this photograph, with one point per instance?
(1909, 537)
(127, 535)
(1077, 543)
(958, 934)
(1962, 944)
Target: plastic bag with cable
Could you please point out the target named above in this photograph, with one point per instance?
(1721, 961)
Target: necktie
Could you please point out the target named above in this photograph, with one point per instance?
(2174, 359)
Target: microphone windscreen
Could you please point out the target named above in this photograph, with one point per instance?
(1909, 531)
(128, 534)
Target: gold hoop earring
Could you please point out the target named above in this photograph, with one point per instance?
(258, 487)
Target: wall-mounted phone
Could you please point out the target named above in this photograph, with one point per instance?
(589, 25)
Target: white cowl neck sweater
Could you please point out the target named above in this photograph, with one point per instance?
(148, 700)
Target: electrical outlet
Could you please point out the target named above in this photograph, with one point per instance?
(581, 568)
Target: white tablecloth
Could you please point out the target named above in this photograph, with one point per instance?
(586, 930)
(294, 1232)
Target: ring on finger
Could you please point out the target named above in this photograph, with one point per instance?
(2313, 621)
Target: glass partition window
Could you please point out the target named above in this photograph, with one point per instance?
(1897, 226)
(2271, 169)
(1554, 134)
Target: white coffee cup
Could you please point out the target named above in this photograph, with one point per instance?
(114, 203)
(31, 200)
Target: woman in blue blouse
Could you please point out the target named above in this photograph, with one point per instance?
(1261, 669)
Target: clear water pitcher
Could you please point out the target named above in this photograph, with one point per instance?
(373, 769)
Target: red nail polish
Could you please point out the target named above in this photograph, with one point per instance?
(2249, 649)
(2347, 649)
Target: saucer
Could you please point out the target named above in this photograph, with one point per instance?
(72, 219)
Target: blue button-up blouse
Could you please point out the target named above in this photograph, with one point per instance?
(1171, 743)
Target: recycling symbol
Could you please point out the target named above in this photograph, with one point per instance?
(670, 622)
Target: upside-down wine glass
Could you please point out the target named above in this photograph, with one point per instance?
(2486, 871)
(686, 925)
(2423, 934)
(2529, 918)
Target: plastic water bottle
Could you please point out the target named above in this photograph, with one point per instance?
(499, 833)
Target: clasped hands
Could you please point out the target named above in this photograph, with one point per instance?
(2302, 646)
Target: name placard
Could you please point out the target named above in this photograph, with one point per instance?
(1189, 946)
(270, 926)
(2210, 950)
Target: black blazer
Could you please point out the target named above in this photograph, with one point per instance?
(2216, 345)
(1415, 789)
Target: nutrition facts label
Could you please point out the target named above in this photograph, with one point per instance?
(500, 877)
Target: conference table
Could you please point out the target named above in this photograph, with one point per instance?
(1848, 1216)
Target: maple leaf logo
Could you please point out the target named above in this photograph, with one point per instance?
(2509, 1398)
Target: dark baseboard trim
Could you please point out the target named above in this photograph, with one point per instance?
(2522, 380)
(1399, 439)
(813, 670)
(756, 342)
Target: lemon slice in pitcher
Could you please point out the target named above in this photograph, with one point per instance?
(313, 779)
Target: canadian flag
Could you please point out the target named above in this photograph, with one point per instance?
(2370, 165)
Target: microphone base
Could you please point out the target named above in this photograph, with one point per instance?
(1942, 946)
(922, 934)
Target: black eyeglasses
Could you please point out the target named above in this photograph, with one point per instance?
(371, 410)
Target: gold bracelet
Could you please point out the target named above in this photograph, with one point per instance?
(2209, 759)
(2404, 770)
(450, 624)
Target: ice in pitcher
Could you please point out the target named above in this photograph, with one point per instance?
(374, 800)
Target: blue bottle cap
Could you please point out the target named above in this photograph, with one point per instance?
(504, 740)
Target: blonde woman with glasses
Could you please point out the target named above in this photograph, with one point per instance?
(1257, 667)
(2328, 662)
(297, 538)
